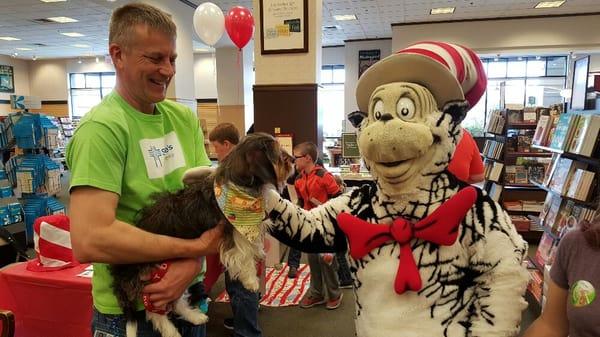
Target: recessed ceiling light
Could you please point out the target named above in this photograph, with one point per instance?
(345, 17)
(73, 34)
(53, 0)
(23, 49)
(441, 10)
(79, 45)
(62, 19)
(549, 4)
(9, 38)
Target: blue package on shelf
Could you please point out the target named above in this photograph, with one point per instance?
(28, 131)
(3, 174)
(4, 215)
(55, 207)
(6, 191)
(16, 212)
(33, 208)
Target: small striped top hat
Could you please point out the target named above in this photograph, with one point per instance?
(449, 71)
(52, 241)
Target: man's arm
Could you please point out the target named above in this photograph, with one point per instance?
(97, 236)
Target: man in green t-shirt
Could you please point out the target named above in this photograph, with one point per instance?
(133, 144)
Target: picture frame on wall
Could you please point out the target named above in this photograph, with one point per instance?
(286, 141)
(283, 26)
(7, 79)
(367, 58)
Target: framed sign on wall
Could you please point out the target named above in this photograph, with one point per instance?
(7, 79)
(283, 26)
(367, 58)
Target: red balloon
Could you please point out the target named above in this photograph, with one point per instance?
(239, 24)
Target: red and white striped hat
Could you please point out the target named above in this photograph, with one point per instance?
(52, 240)
(449, 71)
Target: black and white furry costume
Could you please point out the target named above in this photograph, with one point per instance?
(474, 287)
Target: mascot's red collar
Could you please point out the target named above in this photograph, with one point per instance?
(441, 227)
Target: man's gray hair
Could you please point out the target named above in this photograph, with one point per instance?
(124, 20)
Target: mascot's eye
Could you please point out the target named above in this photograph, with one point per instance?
(378, 109)
(405, 108)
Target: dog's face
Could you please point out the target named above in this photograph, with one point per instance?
(257, 160)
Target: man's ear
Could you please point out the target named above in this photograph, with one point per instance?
(457, 110)
(356, 117)
(116, 54)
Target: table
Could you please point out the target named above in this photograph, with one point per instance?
(50, 304)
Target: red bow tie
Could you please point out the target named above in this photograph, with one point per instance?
(441, 227)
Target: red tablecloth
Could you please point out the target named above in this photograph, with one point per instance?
(48, 304)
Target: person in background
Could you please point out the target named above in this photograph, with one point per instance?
(343, 271)
(315, 186)
(130, 146)
(572, 304)
(244, 303)
(466, 163)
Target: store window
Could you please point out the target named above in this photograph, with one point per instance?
(518, 82)
(331, 100)
(88, 89)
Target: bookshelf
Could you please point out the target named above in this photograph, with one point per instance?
(509, 161)
(571, 183)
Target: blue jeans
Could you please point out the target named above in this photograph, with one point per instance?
(294, 258)
(107, 325)
(244, 305)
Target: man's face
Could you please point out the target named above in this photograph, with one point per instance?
(222, 149)
(147, 65)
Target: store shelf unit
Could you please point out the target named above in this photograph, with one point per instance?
(509, 162)
(571, 182)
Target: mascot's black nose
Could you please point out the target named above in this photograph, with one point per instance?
(386, 117)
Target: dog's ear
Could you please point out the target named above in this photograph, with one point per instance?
(260, 164)
(356, 117)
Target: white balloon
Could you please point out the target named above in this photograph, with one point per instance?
(209, 23)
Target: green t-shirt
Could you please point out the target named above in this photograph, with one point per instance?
(119, 149)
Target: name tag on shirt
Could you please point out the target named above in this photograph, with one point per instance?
(162, 155)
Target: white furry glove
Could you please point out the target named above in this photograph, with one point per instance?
(195, 174)
(271, 196)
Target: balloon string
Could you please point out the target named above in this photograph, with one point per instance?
(239, 72)
(214, 59)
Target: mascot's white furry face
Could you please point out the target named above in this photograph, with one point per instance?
(404, 136)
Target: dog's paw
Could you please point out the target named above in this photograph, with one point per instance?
(197, 318)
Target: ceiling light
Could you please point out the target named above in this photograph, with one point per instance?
(79, 61)
(23, 49)
(79, 45)
(62, 19)
(520, 58)
(15, 54)
(442, 10)
(73, 34)
(34, 57)
(9, 38)
(53, 0)
(538, 57)
(97, 59)
(345, 17)
(549, 4)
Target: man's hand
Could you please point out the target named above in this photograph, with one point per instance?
(177, 279)
(210, 241)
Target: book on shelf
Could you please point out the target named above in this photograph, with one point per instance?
(559, 182)
(514, 205)
(564, 131)
(532, 205)
(544, 249)
(580, 185)
(521, 223)
(536, 280)
(496, 191)
(542, 130)
(496, 122)
(514, 116)
(510, 174)
(585, 135)
(550, 170)
(496, 171)
(530, 114)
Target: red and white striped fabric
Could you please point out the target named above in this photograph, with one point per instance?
(52, 240)
(281, 291)
(462, 62)
(449, 71)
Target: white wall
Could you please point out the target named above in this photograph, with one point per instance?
(21, 76)
(351, 66)
(595, 63)
(205, 76)
(554, 34)
(249, 79)
(88, 65)
(48, 79)
(230, 80)
(334, 55)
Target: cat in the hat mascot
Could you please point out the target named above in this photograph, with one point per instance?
(431, 256)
